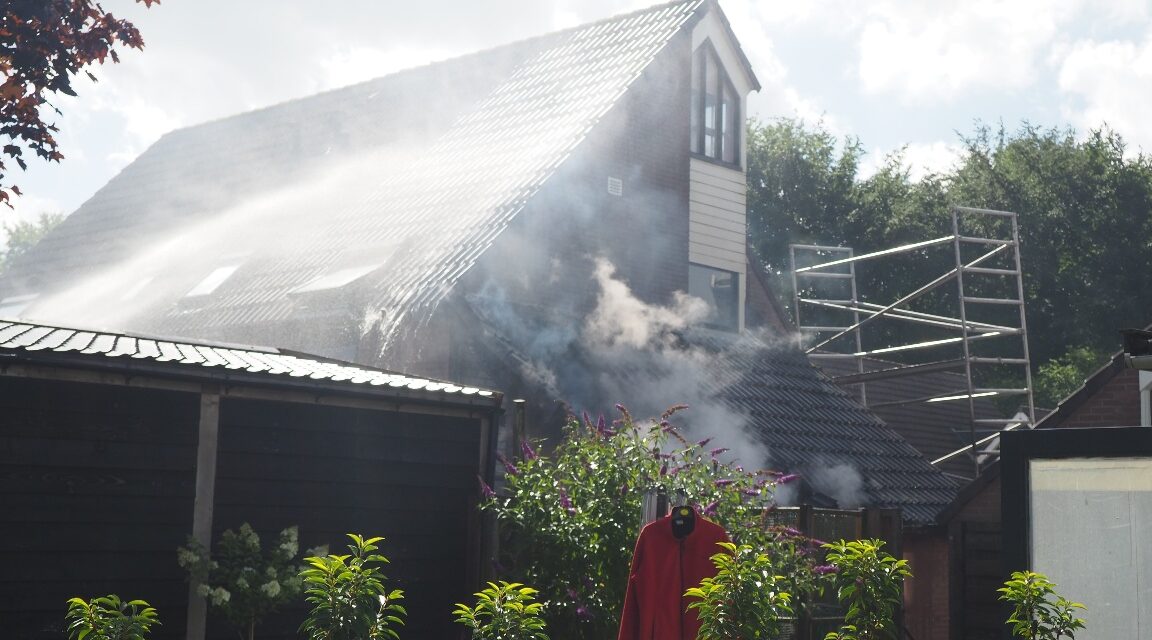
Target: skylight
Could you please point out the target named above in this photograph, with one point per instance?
(214, 280)
(336, 279)
(11, 306)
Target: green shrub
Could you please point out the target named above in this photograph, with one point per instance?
(348, 597)
(109, 618)
(744, 600)
(504, 611)
(1038, 612)
(571, 519)
(868, 584)
(242, 580)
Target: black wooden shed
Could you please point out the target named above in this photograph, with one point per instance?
(114, 448)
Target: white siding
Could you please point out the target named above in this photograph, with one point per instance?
(717, 220)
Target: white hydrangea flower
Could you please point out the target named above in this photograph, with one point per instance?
(241, 583)
(272, 588)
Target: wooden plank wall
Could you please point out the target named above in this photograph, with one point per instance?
(334, 470)
(96, 491)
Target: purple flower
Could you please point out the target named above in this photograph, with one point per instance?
(792, 532)
(565, 502)
(509, 468)
(751, 492)
(583, 613)
(664, 469)
(824, 569)
(704, 442)
(485, 489)
(673, 409)
(528, 452)
(816, 542)
(602, 426)
(716, 452)
(711, 508)
(787, 478)
(723, 482)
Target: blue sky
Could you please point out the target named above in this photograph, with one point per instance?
(894, 73)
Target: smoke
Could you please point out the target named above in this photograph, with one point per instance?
(625, 350)
(842, 482)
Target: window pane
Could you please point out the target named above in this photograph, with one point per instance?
(697, 98)
(721, 290)
(728, 123)
(711, 104)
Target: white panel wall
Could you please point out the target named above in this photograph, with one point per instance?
(717, 204)
(717, 198)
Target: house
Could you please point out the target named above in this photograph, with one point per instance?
(116, 447)
(1113, 396)
(561, 218)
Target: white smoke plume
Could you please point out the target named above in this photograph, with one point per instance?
(842, 482)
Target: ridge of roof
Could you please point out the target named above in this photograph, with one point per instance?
(527, 42)
(744, 61)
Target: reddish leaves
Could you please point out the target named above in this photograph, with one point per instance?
(43, 43)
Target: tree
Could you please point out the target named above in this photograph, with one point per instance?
(1085, 219)
(45, 43)
(23, 235)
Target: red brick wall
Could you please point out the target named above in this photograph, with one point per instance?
(1116, 404)
(926, 592)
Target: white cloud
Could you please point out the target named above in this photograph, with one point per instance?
(928, 53)
(1109, 82)
(920, 158)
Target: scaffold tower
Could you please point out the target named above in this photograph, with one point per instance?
(972, 312)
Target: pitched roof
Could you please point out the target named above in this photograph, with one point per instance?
(49, 345)
(404, 180)
(813, 426)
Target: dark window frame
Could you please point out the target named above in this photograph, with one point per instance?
(722, 84)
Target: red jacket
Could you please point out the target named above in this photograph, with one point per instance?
(663, 567)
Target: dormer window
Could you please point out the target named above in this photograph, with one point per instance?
(715, 109)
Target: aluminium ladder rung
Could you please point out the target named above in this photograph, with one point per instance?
(821, 274)
(975, 240)
(992, 272)
(986, 360)
(992, 300)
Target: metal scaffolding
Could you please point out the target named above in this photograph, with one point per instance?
(834, 321)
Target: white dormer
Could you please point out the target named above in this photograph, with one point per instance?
(717, 239)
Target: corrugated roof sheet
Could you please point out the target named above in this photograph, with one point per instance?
(45, 343)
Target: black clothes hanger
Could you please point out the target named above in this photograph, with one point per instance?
(683, 521)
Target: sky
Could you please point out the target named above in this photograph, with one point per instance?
(898, 74)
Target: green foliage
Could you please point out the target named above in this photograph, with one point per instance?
(23, 235)
(1085, 219)
(109, 618)
(348, 597)
(571, 519)
(1059, 377)
(1039, 613)
(244, 582)
(504, 611)
(744, 600)
(868, 584)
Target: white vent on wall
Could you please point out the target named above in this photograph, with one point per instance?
(615, 186)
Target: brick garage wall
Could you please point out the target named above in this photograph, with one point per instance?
(1115, 404)
(926, 592)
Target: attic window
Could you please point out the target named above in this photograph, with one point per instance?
(715, 109)
(336, 279)
(721, 290)
(214, 280)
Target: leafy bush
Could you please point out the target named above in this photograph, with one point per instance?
(109, 618)
(241, 580)
(572, 519)
(348, 597)
(1039, 613)
(868, 583)
(504, 611)
(743, 601)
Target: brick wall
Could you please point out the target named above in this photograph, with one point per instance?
(926, 592)
(1115, 404)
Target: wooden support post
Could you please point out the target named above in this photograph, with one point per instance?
(205, 497)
